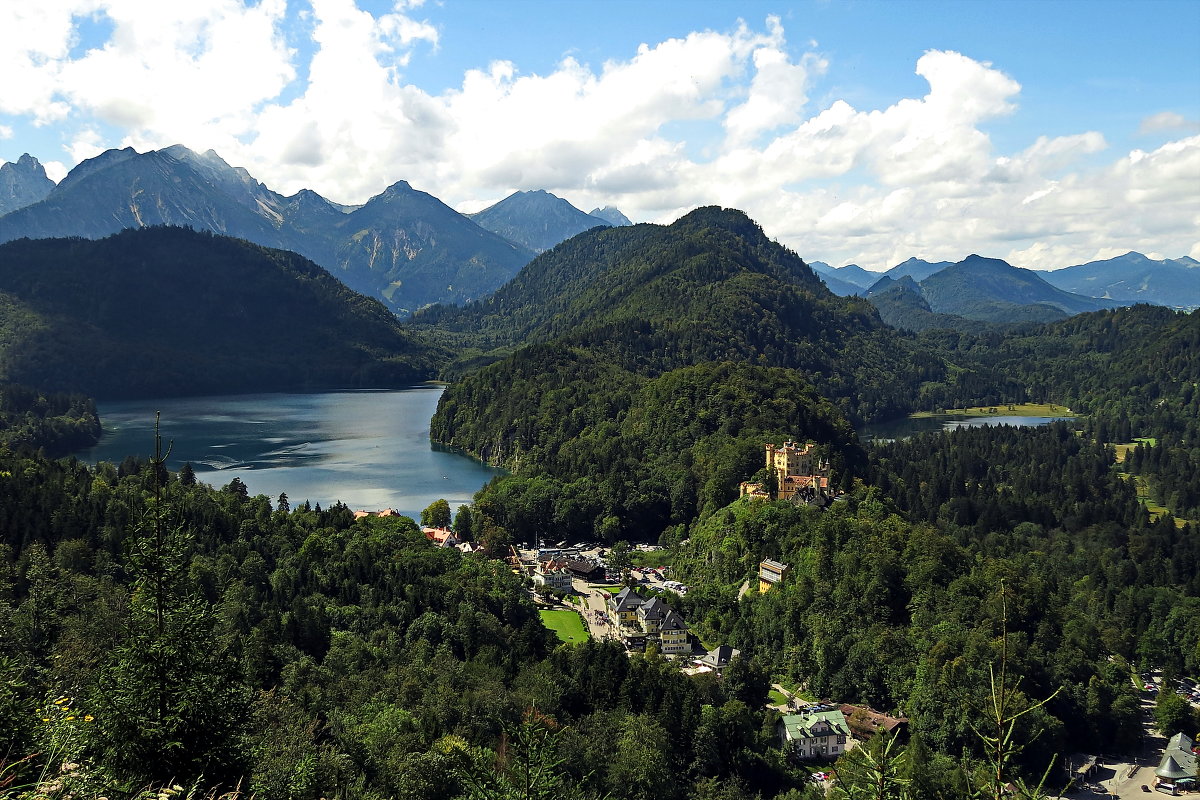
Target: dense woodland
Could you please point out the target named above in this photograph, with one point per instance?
(156, 630)
(54, 422)
(170, 311)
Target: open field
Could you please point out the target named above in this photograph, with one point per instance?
(1123, 449)
(567, 625)
(1004, 409)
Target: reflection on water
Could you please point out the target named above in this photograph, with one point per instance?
(904, 428)
(368, 449)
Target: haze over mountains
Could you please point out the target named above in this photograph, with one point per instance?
(988, 289)
(404, 247)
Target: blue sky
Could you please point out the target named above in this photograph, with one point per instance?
(1046, 133)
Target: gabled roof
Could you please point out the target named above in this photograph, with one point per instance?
(627, 599)
(654, 608)
(671, 621)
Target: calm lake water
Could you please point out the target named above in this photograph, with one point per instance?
(368, 449)
(904, 428)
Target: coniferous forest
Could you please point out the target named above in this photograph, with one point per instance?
(155, 631)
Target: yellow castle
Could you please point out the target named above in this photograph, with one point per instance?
(797, 468)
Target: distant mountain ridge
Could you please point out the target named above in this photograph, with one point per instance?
(537, 220)
(1134, 277)
(972, 291)
(403, 246)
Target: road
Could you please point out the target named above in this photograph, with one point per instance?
(594, 613)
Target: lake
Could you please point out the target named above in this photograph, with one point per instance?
(368, 449)
(904, 428)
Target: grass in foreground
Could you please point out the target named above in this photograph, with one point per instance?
(567, 625)
(1003, 410)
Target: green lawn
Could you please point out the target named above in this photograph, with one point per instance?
(567, 625)
(1003, 410)
(777, 698)
(611, 589)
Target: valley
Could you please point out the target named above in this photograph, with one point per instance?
(618, 389)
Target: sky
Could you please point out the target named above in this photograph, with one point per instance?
(1046, 133)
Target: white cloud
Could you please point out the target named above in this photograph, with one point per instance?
(1167, 121)
(710, 117)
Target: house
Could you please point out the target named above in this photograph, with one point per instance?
(814, 735)
(864, 722)
(673, 634)
(624, 605)
(1178, 765)
(718, 658)
(387, 512)
(584, 569)
(650, 614)
(770, 573)
(442, 537)
(551, 575)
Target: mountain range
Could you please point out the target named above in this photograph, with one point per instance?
(403, 246)
(1131, 278)
(1134, 277)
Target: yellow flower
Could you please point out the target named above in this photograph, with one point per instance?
(88, 718)
(45, 719)
(60, 701)
(70, 718)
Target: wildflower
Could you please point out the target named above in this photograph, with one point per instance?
(70, 718)
(61, 700)
(88, 718)
(45, 719)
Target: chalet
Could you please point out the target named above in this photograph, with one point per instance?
(770, 573)
(814, 735)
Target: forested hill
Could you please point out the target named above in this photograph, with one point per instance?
(169, 311)
(662, 358)
(709, 287)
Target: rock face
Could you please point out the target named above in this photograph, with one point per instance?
(611, 215)
(23, 183)
(404, 247)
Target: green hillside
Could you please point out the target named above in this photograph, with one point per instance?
(710, 287)
(661, 359)
(169, 311)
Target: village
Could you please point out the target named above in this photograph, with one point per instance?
(623, 594)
